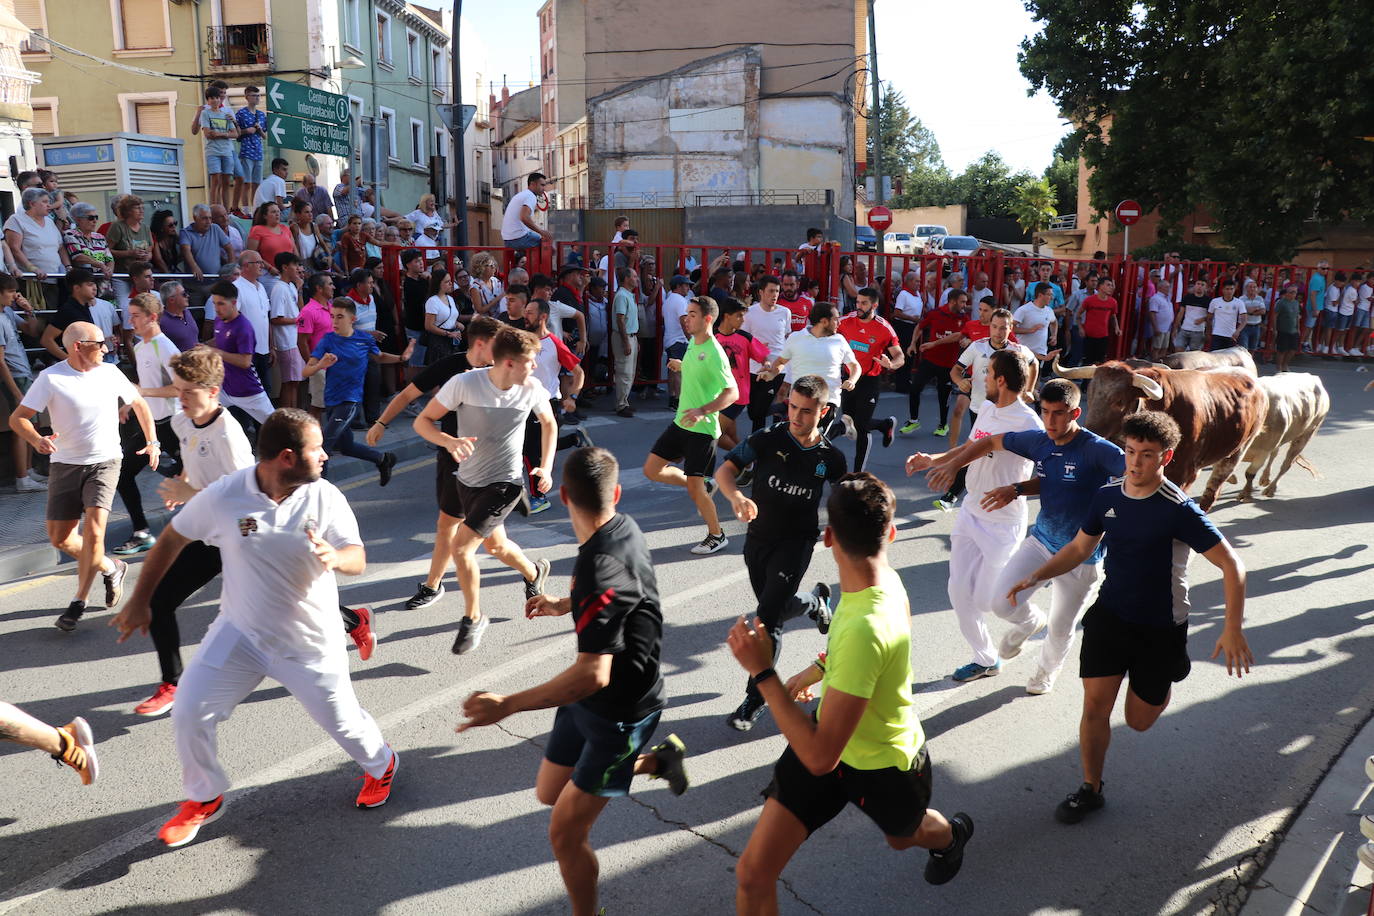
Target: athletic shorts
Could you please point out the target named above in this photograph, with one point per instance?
(895, 800)
(734, 410)
(446, 486)
(601, 752)
(74, 488)
(676, 351)
(1152, 658)
(1285, 341)
(484, 509)
(696, 451)
(290, 364)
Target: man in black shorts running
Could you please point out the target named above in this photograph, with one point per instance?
(793, 461)
(610, 699)
(1138, 627)
(865, 745)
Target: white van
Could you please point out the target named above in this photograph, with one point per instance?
(922, 233)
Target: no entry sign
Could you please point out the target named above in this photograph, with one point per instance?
(880, 218)
(1128, 212)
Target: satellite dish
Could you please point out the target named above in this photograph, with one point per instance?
(312, 164)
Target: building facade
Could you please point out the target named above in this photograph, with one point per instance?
(517, 142)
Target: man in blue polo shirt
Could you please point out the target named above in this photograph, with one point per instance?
(1137, 630)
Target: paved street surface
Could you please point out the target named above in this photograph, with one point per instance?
(1191, 804)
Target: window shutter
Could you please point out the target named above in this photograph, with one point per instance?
(243, 12)
(144, 26)
(44, 121)
(30, 12)
(154, 118)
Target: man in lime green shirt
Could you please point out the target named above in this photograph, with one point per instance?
(865, 746)
(708, 387)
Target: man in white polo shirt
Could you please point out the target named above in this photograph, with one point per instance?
(819, 350)
(82, 395)
(256, 305)
(282, 532)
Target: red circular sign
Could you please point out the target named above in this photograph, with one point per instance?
(880, 218)
(1128, 212)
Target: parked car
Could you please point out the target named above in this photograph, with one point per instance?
(897, 242)
(865, 239)
(960, 246)
(922, 234)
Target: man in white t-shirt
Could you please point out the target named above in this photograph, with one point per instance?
(256, 306)
(273, 187)
(1161, 322)
(906, 312)
(674, 330)
(1035, 324)
(82, 395)
(769, 323)
(819, 350)
(1225, 316)
(980, 289)
(518, 228)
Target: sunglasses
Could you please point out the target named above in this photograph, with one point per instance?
(92, 344)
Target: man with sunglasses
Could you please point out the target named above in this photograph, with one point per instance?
(82, 395)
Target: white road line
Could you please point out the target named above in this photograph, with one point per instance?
(27, 893)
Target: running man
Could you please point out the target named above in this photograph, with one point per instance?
(878, 350)
(792, 463)
(708, 387)
(282, 532)
(554, 359)
(610, 700)
(984, 538)
(491, 405)
(769, 323)
(818, 350)
(71, 744)
(1071, 463)
(480, 332)
(865, 744)
(1137, 629)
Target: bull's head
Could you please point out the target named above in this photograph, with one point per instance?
(1116, 392)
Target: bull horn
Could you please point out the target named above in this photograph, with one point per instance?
(1148, 385)
(1080, 372)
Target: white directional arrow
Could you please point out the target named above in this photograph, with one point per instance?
(276, 130)
(274, 96)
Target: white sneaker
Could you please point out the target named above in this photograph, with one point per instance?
(1367, 856)
(849, 430)
(1369, 767)
(1016, 637)
(29, 485)
(35, 476)
(1340, 351)
(711, 544)
(1367, 826)
(1040, 683)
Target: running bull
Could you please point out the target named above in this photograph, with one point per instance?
(1298, 403)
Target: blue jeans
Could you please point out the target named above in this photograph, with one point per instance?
(530, 239)
(250, 170)
(338, 433)
(220, 165)
(1250, 336)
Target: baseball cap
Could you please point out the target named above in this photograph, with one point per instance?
(679, 280)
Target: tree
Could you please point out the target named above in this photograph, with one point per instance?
(1034, 208)
(1062, 176)
(988, 187)
(1253, 109)
(911, 155)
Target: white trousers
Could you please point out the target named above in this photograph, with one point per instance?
(977, 552)
(258, 406)
(1074, 592)
(226, 669)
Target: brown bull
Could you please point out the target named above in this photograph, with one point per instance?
(1219, 412)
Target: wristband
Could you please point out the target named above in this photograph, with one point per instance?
(380, 423)
(764, 675)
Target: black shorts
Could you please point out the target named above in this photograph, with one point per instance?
(894, 799)
(734, 410)
(1284, 341)
(1152, 658)
(446, 486)
(696, 451)
(676, 351)
(484, 509)
(601, 752)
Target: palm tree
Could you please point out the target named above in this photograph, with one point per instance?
(1034, 208)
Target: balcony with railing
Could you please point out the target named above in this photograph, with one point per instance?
(1066, 223)
(245, 48)
(34, 43)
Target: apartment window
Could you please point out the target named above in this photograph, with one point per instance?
(44, 117)
(384, 39)
(140, 25)
(441, 142)
(418, 153)
(436, 70)
(413, 56)
(152, 113)
(34, 14)
(389, 125)
(352, 24)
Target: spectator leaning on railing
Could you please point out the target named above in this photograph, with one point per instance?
(36, 243)
(86, 247)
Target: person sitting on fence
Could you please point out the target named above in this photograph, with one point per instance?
(518, 228)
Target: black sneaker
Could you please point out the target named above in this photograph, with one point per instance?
(743, 718)
(822, 615)
(535, 587)
(582, 439)
(67, 622)
(424, 596)
(944, 863)
(671, 754)
(889, 430)
(384, 468)
(745, 477)
(114, 583)
(469, 634)
(570, 419)
(1080, 804)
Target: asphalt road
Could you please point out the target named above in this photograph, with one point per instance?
(1192, 804)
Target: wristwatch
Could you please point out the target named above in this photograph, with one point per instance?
(1017, 487)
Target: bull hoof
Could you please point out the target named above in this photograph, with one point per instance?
(1233, 479)
(1245, 496)
(1270, 490)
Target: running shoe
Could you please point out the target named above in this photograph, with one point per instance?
(1366, 854)
(910, 427)
(711, 544)
(947, 503)
(539, 504)
(710, 484)
(140, 542)
(973, 671)
(570, 419)
(1016, 637)
(850, 431)
(1367, 826)
(671, 766)
(37, 477)
(364, 637)
(114, 583)
(942, 430)
(744, 717)
(29, 485)
(384, 468)
(889, 430)
(944, 864)
(582, 440)
(536, 586)
(424, 596)
(469, 634)
(625, 412)
(375, 792)
(1369, 767)
(822, 615)
(188, 820)
(78, 750)
(67, 622)
(745, 477)
(1041, 682)
(161, 701)
(1080, 804)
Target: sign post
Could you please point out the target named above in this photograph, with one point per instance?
(1128, 213)
(309, 136)
(880, 218)
(306, 102)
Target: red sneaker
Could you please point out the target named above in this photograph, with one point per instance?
(362, 634)
(159, 702)
(188, 820)
(375, 792)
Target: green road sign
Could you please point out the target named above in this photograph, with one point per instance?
(305, 102)
(309, 136)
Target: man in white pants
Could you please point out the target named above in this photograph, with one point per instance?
(281, 531)
(984, 538)
(1071, 464)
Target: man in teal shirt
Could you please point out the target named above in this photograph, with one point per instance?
(624, 337)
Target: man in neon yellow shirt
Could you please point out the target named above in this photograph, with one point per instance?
(865, 745)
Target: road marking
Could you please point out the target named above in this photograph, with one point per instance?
(26, 586)
(29, 892)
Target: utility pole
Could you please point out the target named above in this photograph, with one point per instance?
(875, 120)
(460, 171)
